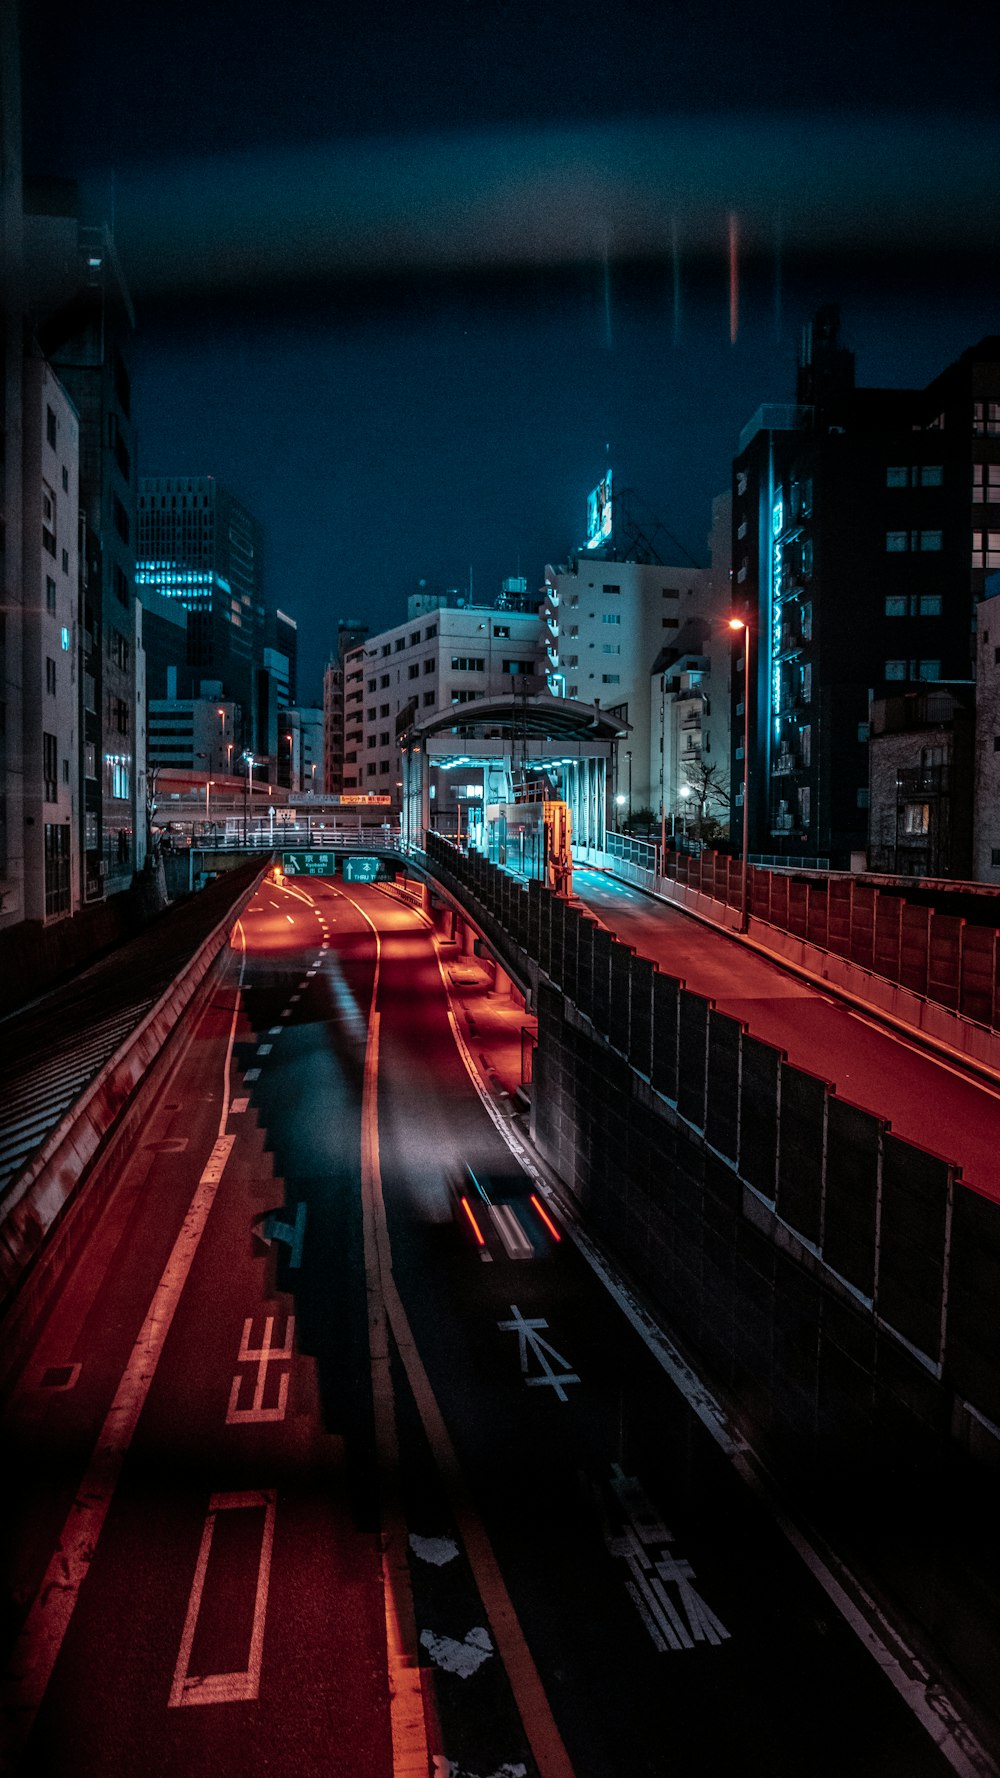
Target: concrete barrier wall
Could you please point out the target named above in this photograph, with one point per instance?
(839, 1279)
(54, 1201)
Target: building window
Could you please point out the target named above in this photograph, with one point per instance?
(370, 741)
(50, 593)
(986, 482)
(928, 669)
(468, 663)
(515, 667)
(430, 632)
(916, 818)
(805, 744)
(930, 540)
(56, 868)
(611, 678)
(897, 541)
(862, 798)
(89, 760)
(413, 670)
(120, 518)
(429, 664)
(370, 713)
(414, 638)
(986, 549)
(50, 767)
(931, 475)
(428, 699)
(383, 709)
(50, 676)
(895, 669)
(929, 605)
(400, 644)
(864, 730)
(370, 769)
(50, 426)
(502, 632)
(371, 685)
(897, 605)
(611, 617)
(897, 476)
(386, 649)
(611, 648)
(384, 682)
(986, 418)
(995, 855)
(611, 589)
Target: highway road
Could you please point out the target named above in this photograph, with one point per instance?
(320, 1470)
(927, 1100)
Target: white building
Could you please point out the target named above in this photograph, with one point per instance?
(194, 734)
(606, 625)
(300, 750)
(440, 657)
(50, 737)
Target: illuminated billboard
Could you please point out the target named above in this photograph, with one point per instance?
(599, 513)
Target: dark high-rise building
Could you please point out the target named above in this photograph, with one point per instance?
(199, 545)
(860, 543)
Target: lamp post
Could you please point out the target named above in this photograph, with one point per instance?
(741, 623)
(684, 793)
(628, 756)
(248, 796)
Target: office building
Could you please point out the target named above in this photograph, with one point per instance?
(864, 524)
(300, 750)
(200, 546)
(349, 634)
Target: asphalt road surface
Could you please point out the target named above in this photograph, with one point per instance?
(319, 1470)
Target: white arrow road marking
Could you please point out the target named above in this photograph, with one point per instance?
(463, 1658)
(262, 1356)
(529, 1334)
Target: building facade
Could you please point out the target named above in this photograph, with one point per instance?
(606, 625)
(861, 537)
(200, 546)
(441, 658)
(82, 316)
(922, 777)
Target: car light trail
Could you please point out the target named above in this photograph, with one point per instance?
(549, 1224)
(479, 1233)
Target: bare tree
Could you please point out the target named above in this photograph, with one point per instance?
(152, 780)
(710, 788)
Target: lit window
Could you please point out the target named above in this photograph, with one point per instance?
(916, 818)
(896, 605)
(930, 540)
(928, 669)
(863, 797)
(611, 617)
(864, 730)
(611, 678)
(931, 475)
(929, 605)
(897, 476)
(897, 541)
(895, 669)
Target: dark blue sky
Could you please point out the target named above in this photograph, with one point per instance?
(402, 274)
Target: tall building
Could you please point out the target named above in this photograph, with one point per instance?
(606, 624)
(350, 633)
(300, 750)
(861, 540)
(82, 317)
(199, 545)
(12, 828)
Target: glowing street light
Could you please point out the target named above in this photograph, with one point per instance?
(741, 623)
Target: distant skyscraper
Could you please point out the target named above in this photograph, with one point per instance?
(200, 545)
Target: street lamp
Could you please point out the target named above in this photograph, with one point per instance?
(742, 623)
(684, 792)
(248, 794)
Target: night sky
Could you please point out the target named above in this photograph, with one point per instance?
(407, 277)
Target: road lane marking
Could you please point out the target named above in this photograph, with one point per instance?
(385, 1310)
(291, 919)
(529, 1335)
(251, 1074)
(274, 1228)
(226, 1688)
(261, 1356)
(651, 1574)
(237, 1106)
(37, 1648)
